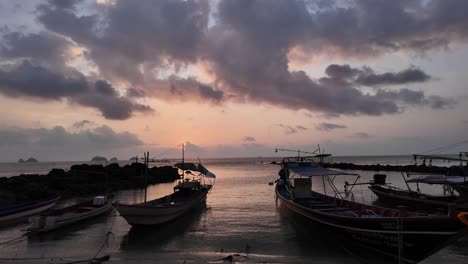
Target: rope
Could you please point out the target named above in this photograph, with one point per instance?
(108, 234)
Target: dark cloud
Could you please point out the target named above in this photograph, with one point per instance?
(59, 144)
(128, 34)
(324, 126)
(245, 47)
(82, 123)
(43, 46)
(184, 89)
(248, 139)
(366, 76)
(27, 79)
(132, 92)
(256, 68)
(38, 82)
(386, 26)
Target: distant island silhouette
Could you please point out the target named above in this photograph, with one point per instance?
(30, 160)
(114, 159)
(99, 158)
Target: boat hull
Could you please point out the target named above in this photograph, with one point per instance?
(428, 203)
(18, 212)
(143, 215)
(411, 238)
(47, 223)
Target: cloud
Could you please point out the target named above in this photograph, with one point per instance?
(155, 33)
(329, 126)
(82, 123)
(248, 139)
(33, 81)
(245, 47)
(366, 76)
(42, 46)
(362, 135)
(301, 128)
(288, 130)
(193, 148)
(256, 68)
(184, 89)
(59, 144)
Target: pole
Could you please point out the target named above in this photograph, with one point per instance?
(146, 174)
(183, 160)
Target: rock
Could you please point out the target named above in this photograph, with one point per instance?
(83, 180)
(31, 160)
(20, 160)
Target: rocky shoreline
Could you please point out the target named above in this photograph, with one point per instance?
(82, 180)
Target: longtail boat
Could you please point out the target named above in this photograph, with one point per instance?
(452, 183)
(17, 211)
(79, 212)
(189, 193)
(395, 234)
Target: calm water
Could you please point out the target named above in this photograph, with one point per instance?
(240, 216)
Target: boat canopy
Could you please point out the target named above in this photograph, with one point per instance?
(195, 167)
(310, 169)
(437, 179)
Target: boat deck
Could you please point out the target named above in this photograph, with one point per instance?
(344, 208)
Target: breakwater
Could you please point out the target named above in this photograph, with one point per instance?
(82, 180)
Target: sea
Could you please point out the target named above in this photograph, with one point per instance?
(241, 222)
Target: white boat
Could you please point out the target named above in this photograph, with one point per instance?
(188, 194)
(71, 214)
(14, 212)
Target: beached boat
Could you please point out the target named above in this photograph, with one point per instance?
(188, 194)
(58, 218)
(14, 212)
(396, 234)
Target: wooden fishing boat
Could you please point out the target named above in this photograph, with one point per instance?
(416, 200)
(14, 212)
(188, 194)
(396, 234)
(452, 184)
(58, 218)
